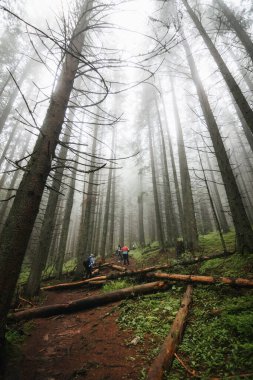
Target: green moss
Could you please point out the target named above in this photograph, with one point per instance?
(16, 335)
(69, 265)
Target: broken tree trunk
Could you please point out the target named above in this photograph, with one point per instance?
(76, 284)
(88, 302)
(164, 360)
(203, 279)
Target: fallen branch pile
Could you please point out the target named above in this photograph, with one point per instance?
(125, 273)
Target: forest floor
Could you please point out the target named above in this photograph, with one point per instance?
(85, 345)
(119, 341)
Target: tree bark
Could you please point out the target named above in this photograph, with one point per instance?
(89, 302)
(165, 358)
(18, 227)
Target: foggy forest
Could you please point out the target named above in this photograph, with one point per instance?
(126, 203)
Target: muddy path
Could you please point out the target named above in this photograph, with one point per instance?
(85, 345)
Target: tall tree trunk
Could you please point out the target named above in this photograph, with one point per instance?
(8, 143)
(212, 205)
(239, 98)
(244, 233)
(178, 196)
(169, 207)
(160, 232)
(112, 211)
(99, 223)
(217, 200)
(65, 226)
(190, 227)
(140, 210)
(18, 228)
(107, 207)
(122, 219)
(86, 228)
(236, 25)
(7, 109)
(39, 260)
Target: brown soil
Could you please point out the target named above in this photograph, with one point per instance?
(85, 345)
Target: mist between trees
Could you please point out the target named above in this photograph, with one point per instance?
(121, 122)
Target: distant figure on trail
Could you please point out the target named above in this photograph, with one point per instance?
(88, 265)
(125, 251)
(118, 253)
(180, 248)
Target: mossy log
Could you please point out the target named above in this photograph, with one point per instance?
(164, 359)
(203, 279)
(88, 302)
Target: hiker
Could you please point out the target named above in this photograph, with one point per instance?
(125, 251)
(118, 253)
(88, 265)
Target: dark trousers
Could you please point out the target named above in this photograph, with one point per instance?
(125, 258)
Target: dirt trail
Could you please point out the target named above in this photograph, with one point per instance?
(86, 345)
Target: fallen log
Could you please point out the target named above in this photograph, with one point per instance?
(74, 284)
(143, 271)
(118, 267)
(88, 302)
(203, 279)
(164, 359)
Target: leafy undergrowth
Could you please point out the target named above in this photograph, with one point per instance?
(219, 334)
(150, 313)
(15, 336)
(218, 339)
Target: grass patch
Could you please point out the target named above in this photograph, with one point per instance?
(237, 265)
(150, 314)
(211, 243)
(116, 285)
